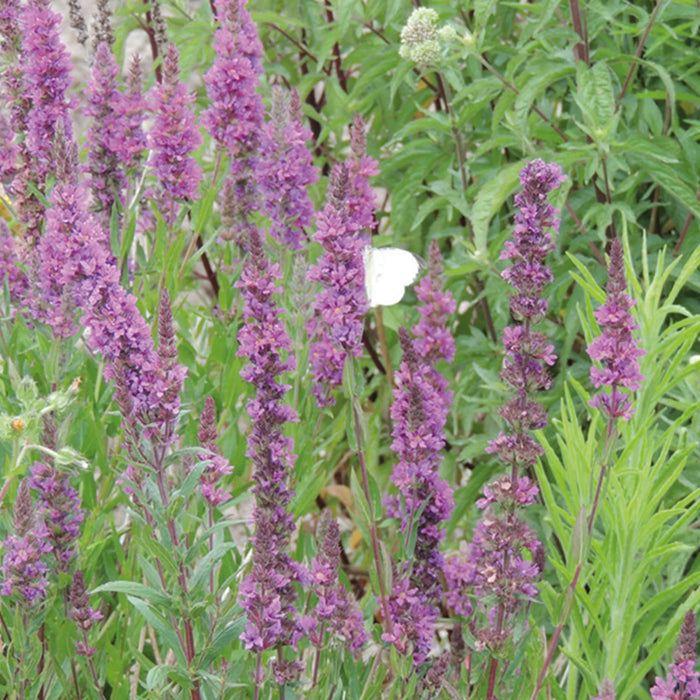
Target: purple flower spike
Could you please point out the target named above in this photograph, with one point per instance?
(683, 681)
(504, 559)
(126, 139)
(235, 115)
(23, 568)
(218, 466)
(174, 135)
(107, 180)
(615, 348)
(419, 413)
(82, 614)
(267, 594)
(607, 691)
(47, 78)
(285, 170)
(336, 327)
(116, 138)
(59, 507)
(361, 198)
(335, 608)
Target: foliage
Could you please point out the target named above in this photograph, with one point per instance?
(608, 91)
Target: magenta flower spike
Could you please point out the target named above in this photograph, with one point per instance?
(336, 610)
(235, 116)
(285, 170)
(500, 565)
(218, 465)
(47, 78)
(174, 135)
(615, 348)
(106, 178)
(59, 508)
(82, 614)
(683, 681)
(267, 594)
(419, 413)
(336, 326)
(23, 567)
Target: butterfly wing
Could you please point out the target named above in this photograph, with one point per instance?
(388, 271)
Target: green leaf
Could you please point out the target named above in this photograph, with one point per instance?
(595, 97)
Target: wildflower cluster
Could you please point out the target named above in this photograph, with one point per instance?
(420, 38)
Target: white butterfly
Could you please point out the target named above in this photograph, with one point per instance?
(388, 271)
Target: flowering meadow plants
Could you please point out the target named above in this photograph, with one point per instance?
(225, 473)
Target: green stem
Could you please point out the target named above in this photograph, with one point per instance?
(354, 399)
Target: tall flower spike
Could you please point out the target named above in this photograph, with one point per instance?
(47, 78)
(336, 326)
(419, 412)
(82, 614)
(504, 558)
(174, 135)
(683, 681)
(285, 170)
(218, 465)
(77, 272)
(106, 179)
(235, 115)
(102, 26)
(615, 348)
(267, 593)
(170, 372)
(59, 507)
(361, 198)
(23, 568)
(335, 610)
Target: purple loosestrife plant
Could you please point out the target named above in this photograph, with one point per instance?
(116, 140)
(218, 466)
(419, 413)
(285, 170)
(504, 558)
(82, 614)
(235, 116)
(23, 567)
(683, 681)
(47, 78)
(174, 137)
(77, 272)
(59, 508)
(615, 348)
(335, 611)
(336, 327)
(607, 691)
(267, 594)
(361, 199)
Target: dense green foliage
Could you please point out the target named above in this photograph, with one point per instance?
(618, 109)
